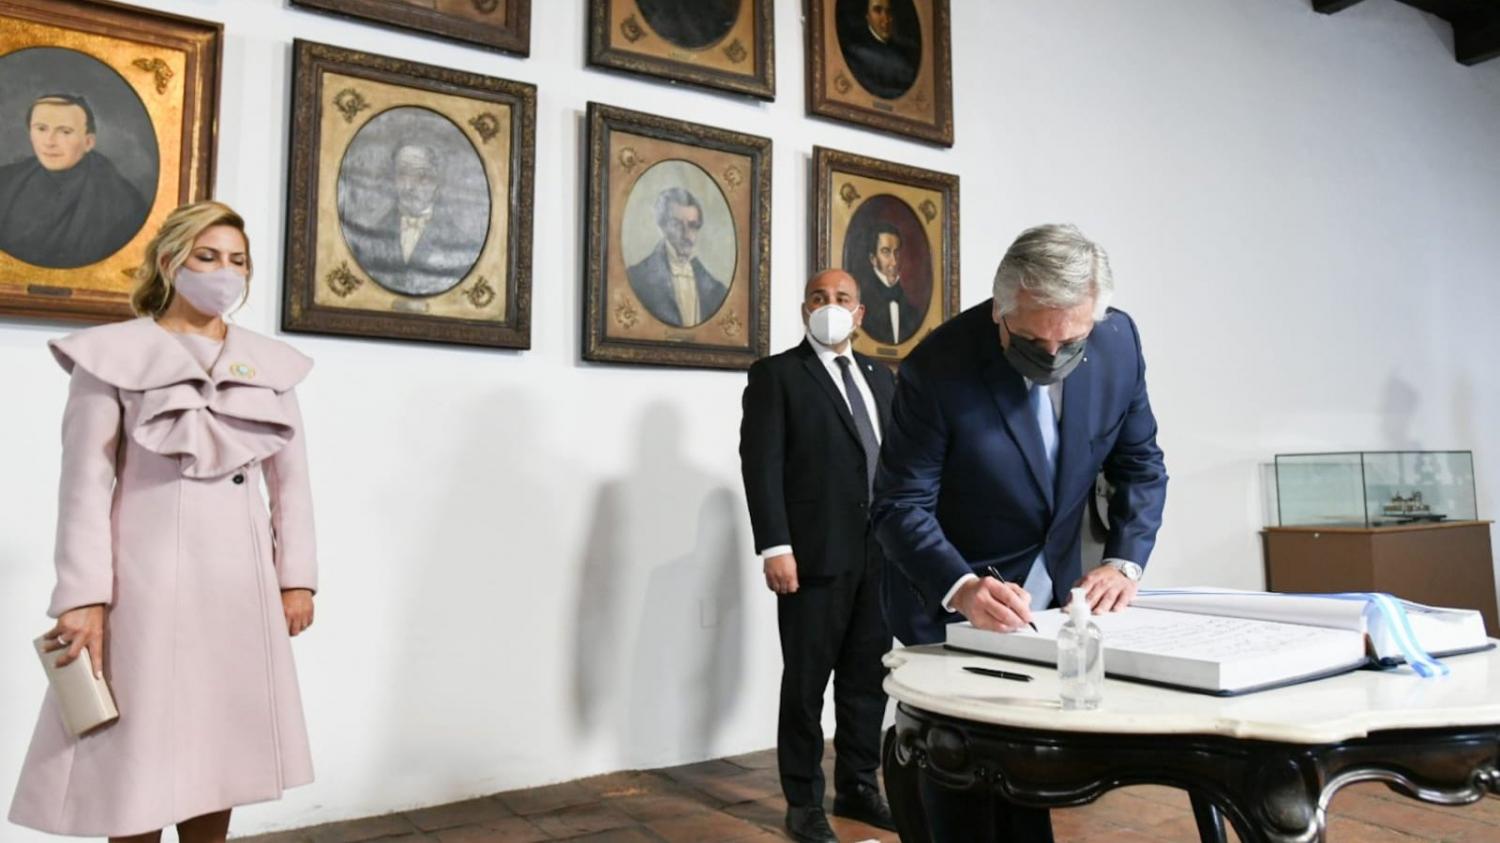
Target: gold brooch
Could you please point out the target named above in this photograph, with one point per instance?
(242, 370)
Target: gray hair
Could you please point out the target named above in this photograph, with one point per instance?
(675, 196)
(1058, 266)
(434, 160)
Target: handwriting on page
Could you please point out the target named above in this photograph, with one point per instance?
(1221, 639)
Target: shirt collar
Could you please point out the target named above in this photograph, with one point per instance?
(827, 354)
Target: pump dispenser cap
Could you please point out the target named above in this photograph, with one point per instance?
(1078, 607)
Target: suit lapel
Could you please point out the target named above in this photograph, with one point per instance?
(1009, 391)
(1074, 443)
(820, 375)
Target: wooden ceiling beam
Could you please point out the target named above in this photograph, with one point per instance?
(1477, 40)
(1328, 7)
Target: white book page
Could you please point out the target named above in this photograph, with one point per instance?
(1259, 605)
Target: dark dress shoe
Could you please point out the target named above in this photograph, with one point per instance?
(809, 825)
(866, 806)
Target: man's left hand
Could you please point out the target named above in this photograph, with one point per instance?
(1108, 589)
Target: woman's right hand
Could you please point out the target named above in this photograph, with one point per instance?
(77, 629)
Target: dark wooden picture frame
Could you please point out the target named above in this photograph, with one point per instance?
(373, 138)
(659, 190)
(870, 214)
(736, 53)
(153, 79)
(902, 84)
(509, 31)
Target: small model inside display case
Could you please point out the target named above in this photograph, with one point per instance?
(1374, 488)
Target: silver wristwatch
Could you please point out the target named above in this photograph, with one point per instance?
(1131, 570)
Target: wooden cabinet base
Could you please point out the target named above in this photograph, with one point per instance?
(1437, 564)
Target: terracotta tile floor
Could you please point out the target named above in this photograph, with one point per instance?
(735, 799)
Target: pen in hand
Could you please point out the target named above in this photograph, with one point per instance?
(990, 569)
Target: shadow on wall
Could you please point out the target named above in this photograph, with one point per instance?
(1398, 414)
(659, 654)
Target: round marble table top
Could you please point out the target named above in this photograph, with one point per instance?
(1339, 708)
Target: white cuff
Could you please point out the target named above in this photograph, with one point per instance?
(948, 598)
(775, 551)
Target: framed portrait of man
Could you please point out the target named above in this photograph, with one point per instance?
(728, 45)
(884, 64)
(107, 117)
(895, 229)
(410, 203)
(679, 242)
(503, 25)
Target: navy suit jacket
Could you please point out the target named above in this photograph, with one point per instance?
(963, 476)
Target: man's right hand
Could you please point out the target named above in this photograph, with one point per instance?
(990, 604)
(781, 573)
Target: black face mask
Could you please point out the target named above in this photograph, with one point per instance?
(1028, 357)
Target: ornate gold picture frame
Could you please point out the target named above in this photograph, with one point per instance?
(895, 229)
(107, 121)
(729, 45)
(503, 25)
(410, 203)
(884, 64)
(679, 242)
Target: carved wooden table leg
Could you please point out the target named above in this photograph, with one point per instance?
(903, 791)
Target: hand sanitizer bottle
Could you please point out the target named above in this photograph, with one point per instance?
(1080, 657)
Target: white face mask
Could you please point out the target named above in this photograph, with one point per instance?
(210, 293)
(831, 324)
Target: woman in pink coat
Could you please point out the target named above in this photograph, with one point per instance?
(171, 571)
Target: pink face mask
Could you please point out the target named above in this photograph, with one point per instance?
(211, 293)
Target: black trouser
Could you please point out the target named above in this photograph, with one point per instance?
(831, 625)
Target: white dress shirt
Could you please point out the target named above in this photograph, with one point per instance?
(411, 232)
(892, 308)
(684, 286)
(829, 358)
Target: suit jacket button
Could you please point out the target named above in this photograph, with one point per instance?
(239, 479)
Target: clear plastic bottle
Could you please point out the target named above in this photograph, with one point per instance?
(1080, 657)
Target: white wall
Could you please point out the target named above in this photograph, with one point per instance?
(536, 569)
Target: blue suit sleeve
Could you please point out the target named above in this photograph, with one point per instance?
(906, 491)
(1137, 471)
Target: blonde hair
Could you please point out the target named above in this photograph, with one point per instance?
(174, 242)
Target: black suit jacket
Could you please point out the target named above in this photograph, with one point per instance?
(802, 462)
(442, 257)
(651, 279)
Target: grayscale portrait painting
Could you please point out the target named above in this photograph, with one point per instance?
(78, 159)
(882, 43)
(413, 201)
(691, 24)
(886, 251)
(678, 243)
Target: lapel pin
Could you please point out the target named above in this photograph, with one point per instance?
(242, 370)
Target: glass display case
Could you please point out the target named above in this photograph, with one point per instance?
(1374, 488)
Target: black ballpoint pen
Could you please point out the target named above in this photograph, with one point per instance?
(990, 569)
(998, 674)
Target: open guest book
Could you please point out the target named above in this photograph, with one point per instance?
(1224, 642)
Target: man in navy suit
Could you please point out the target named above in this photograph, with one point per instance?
(1002, 420)
(671, 282)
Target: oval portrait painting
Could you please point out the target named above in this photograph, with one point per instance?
(887, 252)
(882, 43)
(78, 175)
(413, 201)
(691, 24)
(678, 242)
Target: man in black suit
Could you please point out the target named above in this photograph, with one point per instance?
(879, 55)
(671, 282)
(422, 246)
(809, 442)
(890, 317)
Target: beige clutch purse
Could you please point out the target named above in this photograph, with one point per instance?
(86, 702)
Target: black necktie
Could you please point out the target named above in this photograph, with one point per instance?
(861, 422)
